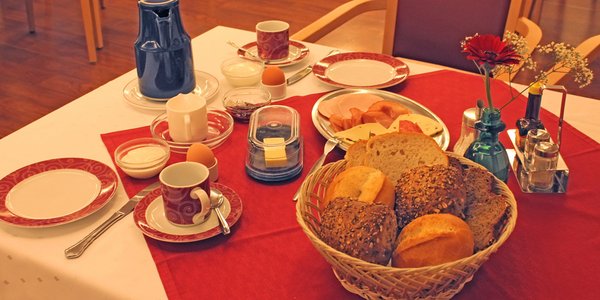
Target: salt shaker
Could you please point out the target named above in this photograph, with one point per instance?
(543, 166)
(534, 137)
(468, 133)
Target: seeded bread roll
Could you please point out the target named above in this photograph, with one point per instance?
(427, 190)
(486, 216)
(365, 231)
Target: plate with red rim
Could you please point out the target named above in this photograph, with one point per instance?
(149, 217)
(298, 52)
(55, 192)
(361, 70)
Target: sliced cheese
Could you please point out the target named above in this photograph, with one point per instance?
(361, 132)
(429, 126)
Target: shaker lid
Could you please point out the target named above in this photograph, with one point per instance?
(546, 149)
(470, 116)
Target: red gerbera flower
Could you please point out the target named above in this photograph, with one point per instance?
(490, 49)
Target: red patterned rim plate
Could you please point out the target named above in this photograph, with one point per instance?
(298, 52)
(361, 70)
(55, 192)
(150, 218)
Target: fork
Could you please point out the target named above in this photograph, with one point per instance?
(254, 56)
(329, 145)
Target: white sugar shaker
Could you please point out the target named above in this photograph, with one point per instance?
(543, 166)
(468, 133)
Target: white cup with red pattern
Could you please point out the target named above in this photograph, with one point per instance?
(272, 39)
(185, 189)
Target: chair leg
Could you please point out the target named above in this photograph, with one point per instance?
(30, 15)
(88, 26)
(97, 24)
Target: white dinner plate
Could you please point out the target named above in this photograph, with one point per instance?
(206, 85)
(298, 52)
(324, 127)
(149, 216)
(361, 70)
(56, 191)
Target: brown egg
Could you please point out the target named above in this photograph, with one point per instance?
(201, 153)
(273, 75)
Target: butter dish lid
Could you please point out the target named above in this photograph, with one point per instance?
(274, 121)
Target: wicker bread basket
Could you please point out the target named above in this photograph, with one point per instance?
(372, 281)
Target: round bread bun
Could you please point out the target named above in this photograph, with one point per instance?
(432, 240)
(361, 183)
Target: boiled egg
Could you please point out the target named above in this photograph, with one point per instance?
(201, 153)
(273, 75)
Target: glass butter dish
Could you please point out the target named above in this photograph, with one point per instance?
(275, 148)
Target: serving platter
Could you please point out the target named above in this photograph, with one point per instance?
(297, 53)
(322, 124)
(55, 192)
(206, 85)
(361, 70)
(149, 217)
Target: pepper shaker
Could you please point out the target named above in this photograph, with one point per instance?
(543, 166)
(468, 133)
(534, 137)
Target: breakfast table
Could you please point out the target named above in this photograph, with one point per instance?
(553, 252)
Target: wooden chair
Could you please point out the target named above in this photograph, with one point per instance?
(90, 12)
(429, 30)
(588, 48)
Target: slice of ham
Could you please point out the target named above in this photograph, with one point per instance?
(342, 104)
(408, 126)
(390, 108)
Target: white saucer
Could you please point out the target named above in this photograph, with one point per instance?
(206, 85)
(149, 216)
(298, 52)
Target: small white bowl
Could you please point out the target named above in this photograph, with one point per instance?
(143, 157)
(242, 72)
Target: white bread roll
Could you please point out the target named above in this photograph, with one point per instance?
(361, 183)
(432, 240)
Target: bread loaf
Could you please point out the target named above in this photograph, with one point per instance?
(362, 230)
(394, 153)
(355, 155)
(361, 183)
(478, 183)
(431, 240)
(429, 189)
(486, 216)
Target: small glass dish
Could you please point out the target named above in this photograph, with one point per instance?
(220, 126)
(143, 157)
(242, 72)
(242, 102)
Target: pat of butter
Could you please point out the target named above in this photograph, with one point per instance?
(361, 132)
(275, 156)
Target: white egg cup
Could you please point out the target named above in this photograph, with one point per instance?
(277, 91)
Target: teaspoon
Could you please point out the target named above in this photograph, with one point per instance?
(215, 206)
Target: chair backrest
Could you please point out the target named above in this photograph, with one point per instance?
(431, 30)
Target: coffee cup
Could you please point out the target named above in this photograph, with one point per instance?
(185, 189)
(272, 39)
(187, 118)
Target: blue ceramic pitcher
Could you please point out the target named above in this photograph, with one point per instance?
(163, 52)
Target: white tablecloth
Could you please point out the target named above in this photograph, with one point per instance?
(118, 265)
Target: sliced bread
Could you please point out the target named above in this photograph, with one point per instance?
(486, 217)
(395, 153)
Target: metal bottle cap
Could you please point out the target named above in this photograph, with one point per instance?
(470, 117)
(546, 150)
(538, 135)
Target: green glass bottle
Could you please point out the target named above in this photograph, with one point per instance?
(487, 150)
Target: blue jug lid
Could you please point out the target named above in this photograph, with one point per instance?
(157, 2)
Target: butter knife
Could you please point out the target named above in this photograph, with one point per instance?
(302, 73)
(76, 250)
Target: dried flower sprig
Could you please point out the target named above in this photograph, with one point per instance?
(495, 57)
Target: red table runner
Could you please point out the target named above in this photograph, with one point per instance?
(553, 252)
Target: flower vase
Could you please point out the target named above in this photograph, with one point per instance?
(486, 150)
